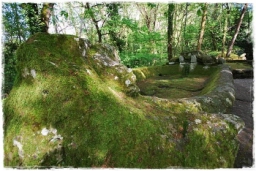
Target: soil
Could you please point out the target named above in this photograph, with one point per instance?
(243, 107)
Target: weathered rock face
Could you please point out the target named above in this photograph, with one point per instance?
(105, 61)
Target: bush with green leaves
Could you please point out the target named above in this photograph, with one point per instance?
(9, 61)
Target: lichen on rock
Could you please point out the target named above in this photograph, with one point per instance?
(108, 64)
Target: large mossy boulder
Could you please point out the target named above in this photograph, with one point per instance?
(71, 106)
(64, 110)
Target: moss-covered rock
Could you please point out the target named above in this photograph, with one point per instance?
(217, 95)
(202, 58)
(66, 109)
(106, 62)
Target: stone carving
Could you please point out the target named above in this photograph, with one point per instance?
(181, 59)
(193, 59)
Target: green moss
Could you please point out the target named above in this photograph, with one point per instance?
(239, 66)
(147, 72)
(212, 82)
(219, 54)
(172, 87)
(100, 126)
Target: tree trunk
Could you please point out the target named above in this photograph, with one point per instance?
(213, 29)
(95, 22)
(237, 30)
(225, 29)
(200, 39)
(46, 15)
(149, 15)
(114, 16)
(16, 18)
(171, 9)
(214, 44)
(154, 17)
(185, 25)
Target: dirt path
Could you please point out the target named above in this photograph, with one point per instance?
(244, 109)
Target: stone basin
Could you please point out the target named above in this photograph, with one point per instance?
(213, 91)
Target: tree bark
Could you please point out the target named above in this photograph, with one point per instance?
(185, 25)
(149, 15)
(200, 39)
(46, 15)
(225, 29)
(171, 9)
(237, 31)
(114, 16)
(214, 43)
(16, 18)
(213, 29)
(95, 22)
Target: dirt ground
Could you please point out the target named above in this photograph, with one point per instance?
(243, 107)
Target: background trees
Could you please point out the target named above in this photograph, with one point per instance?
(144, 33)
(230, 47)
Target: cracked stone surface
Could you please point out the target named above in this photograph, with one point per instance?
(244, 109)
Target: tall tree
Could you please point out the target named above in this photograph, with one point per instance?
(113, 23)
(185, 26)
(214, 26)
(33, 18)
(171, 8)
(149, 13)
(201, 35)
(225, 29)
(15, 28)
(94, 20)
(230, 47)
(46, 15)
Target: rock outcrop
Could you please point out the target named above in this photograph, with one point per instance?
(71, 106)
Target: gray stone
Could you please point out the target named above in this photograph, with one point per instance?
(181, 59)
(193, 59)
(107, 63)
(243, 56)
(234, 120)
(33, 73)
(192, 66)
(197, 56)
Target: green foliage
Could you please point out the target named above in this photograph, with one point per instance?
(141, 59)
(15, 28)
(64, 13)
(9, 66)
(127, 31)
(33, 18)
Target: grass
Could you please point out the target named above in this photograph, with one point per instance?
(99, 125)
